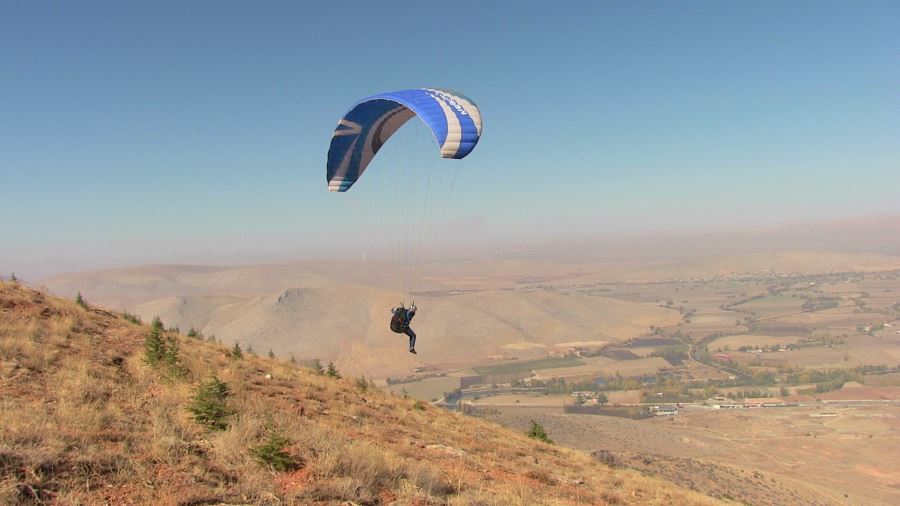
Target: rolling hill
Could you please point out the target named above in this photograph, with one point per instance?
(469, 310)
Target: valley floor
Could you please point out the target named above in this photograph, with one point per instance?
(818, 454)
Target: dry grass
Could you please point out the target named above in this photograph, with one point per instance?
(84, 420)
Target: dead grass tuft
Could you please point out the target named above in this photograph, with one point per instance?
(612, 497)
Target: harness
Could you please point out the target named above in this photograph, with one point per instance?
(399, 323)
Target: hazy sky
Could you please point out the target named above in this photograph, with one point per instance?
(197, 132)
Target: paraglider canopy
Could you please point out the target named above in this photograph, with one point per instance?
(452, 117)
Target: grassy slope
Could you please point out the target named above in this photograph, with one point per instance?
(84, 420)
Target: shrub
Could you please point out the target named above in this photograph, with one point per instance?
(209, 404)
(332, 371)
(420, 405)
(362, 384)
(80, 301)
(537, 432)
(607, 457)
(194, 334)
(271, 354)
(274, 455)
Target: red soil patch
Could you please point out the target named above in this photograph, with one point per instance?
(293, 481)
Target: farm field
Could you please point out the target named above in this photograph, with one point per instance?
(527, 366)
(838, 320)
(603, 366)
(731, 343)
(807, 358)
(772, 306)
(885, 380)
(710, 321)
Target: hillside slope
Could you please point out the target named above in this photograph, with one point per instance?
(83, 419)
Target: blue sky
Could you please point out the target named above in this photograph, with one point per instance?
(170, 132)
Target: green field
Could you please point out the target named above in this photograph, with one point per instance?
(530, 365)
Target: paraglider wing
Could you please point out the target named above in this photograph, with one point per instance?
(454, 120)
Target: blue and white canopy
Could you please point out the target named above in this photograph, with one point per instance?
(453, 118)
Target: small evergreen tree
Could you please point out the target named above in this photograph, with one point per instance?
(209, 404)
(154, 346)
(130, 317)
(274, 454)
(249, 348)
(271, 353)
(172, 359)
(294, 359)
(194, 334)
(317, 367)
(362, 384)
(80, 301)
(236, 351)
(211, 338)
(332, 371)
(13, 278)
(538, 432)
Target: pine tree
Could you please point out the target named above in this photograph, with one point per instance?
(249, 348)
(154, 346)
(209, 404)
(133, 318)
(317, 367)
(293, 359)
(271, 354)
(172, 359)
(13, 278)
(236, 351)
(538, 432)
(274, 454)
(194, 334)
(80, 301)
(332, 371)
